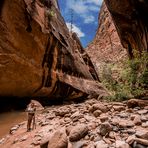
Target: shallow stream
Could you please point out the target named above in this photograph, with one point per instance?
(9, 119)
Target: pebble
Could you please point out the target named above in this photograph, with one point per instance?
(121, 144)
(137, 120)
(2, 140)
(91, 124)
(118, 108)
(131, 131)
(144, 118)
(103, 118)
(145, 125)
(101, 144)
(144, 111)
(24, 138)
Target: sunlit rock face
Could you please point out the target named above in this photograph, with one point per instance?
(122, 32)
(38, 55)
(131, 20)
(106, 46)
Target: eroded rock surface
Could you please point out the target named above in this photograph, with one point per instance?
(131, 23)
(106, 46)
(38, 55)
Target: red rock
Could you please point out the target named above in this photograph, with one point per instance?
(118, 108)
(98, 106)
(123, 13)
(145, 125)
(137, 102)
(103, 118)
(125, 123)
(58, 140)
(39, 57)
(105, 128)
(106, 46)
(92, 126)
(122, 144)
(97, 113)
(101, 144)
(137, 120)
(142, 134)
(78, 132)
(77, 115)
(62, 111)
(144, 111)
(115, 121)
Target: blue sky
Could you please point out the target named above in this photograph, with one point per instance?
(85, 17)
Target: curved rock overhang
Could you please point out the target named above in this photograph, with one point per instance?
(38, 55)
(131, 21)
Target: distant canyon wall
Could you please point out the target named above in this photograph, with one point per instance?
(122, 32)
(106, 46)
(131, 21)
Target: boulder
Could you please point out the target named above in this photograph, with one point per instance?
(137, 103)
(98, 106)
(142, 134)
(118, 108)
(122, 144)
(77, 115)
(97, 113)
(137, 120)
(105, 128)
(78, 132)
(101, 144)
(58, 140)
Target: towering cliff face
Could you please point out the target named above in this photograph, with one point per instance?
(131, 20)
(38, 55)
(128, 21)
(106, 46)
(122, 23)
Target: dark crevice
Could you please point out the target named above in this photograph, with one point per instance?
(50, 58)
(63, 40)
(29, 28)
(130, 51)
(13, 103)
(59, 58)
(46, 51)
(18, 104)
(1, 6)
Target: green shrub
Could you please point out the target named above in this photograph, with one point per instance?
(50, 14)
(132, 78)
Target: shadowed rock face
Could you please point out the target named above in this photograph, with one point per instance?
(38, 55)
(131, 20)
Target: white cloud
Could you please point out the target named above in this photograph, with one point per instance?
(84, 8)
(76, 30)
(89, 19)
(96, 2)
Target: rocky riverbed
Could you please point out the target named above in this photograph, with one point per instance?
(91, 124)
